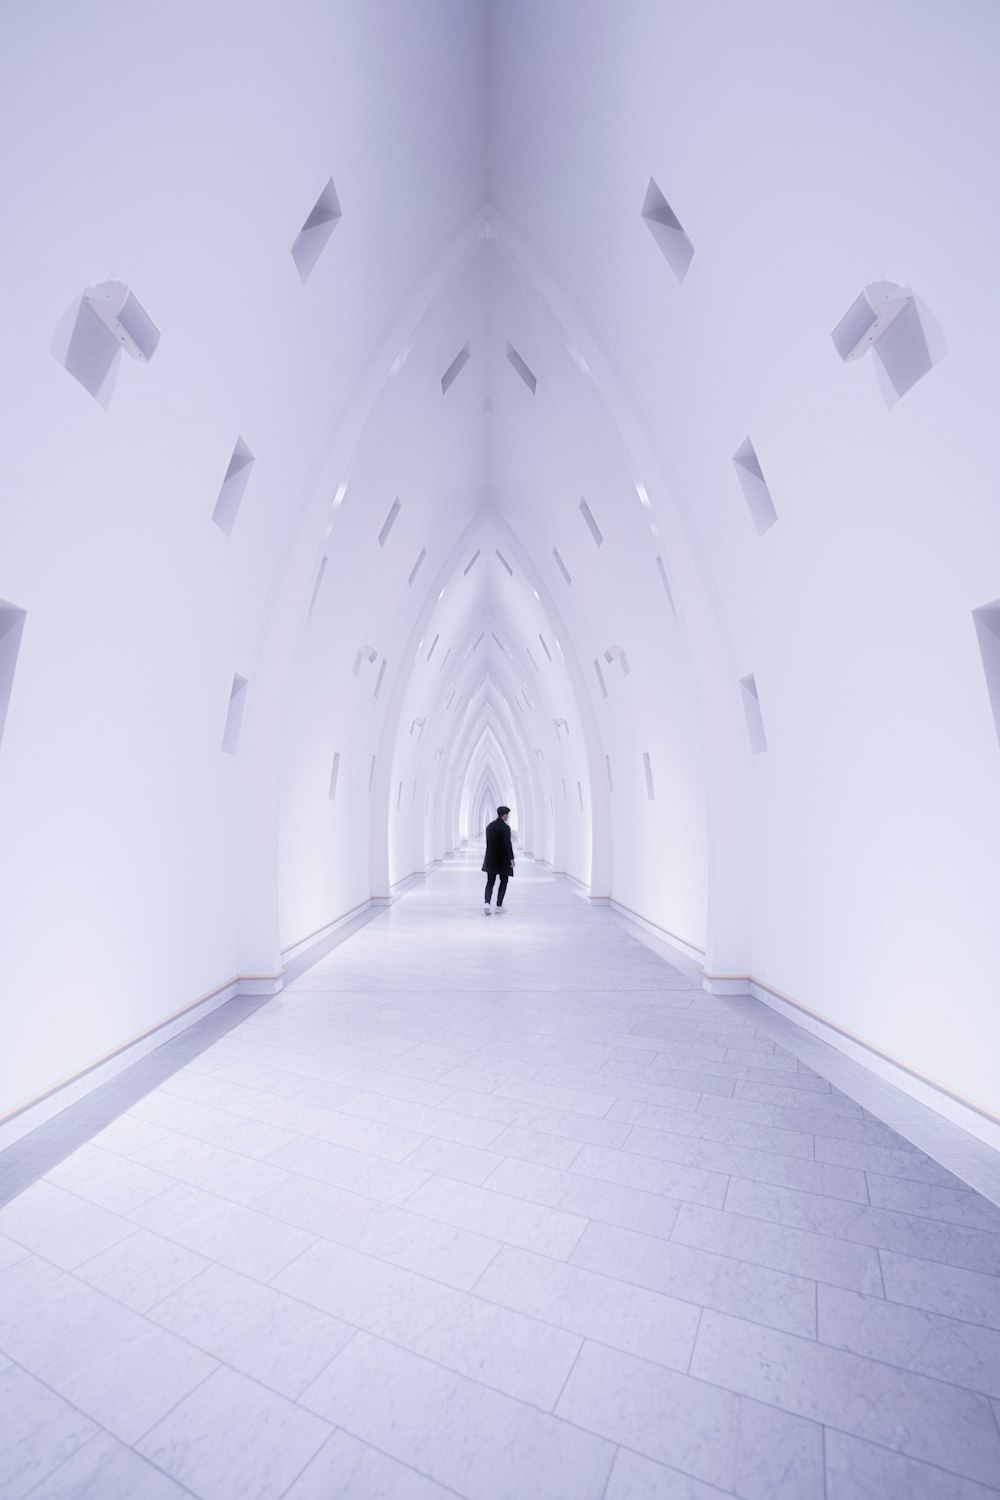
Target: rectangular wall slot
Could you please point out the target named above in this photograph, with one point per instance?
(531, 658)
(455, 369)
(661, 569)
(592, 526)
(416, 566)
(399, 796)
(312, 238)
(987, 623)
(381, 674)
(450, 697)
(504, 562)
(334, 774)
(371, 775)
(444, 660)
(545, 648)
(319, 582)
(524, 695)
(600, 679)
(11, 628)
(470, 564)
(389, 522)
(234, 714)
(754, 486)
(478, 640)
(565, 797)
(522, 368)
(228, 503)
(561, 565)
(433, 645)
(498, 640)
(647, 767)
(607, 767)
(413, 795)
(751, 707)
(579, 792)
(665, 227)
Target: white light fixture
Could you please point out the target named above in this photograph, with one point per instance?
(868, 317)
(122, 312)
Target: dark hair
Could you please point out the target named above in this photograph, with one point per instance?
(501, 811)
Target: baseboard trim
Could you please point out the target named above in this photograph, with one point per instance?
(31, 1113)
(971, 1116)
(681, 944)
(325, 931)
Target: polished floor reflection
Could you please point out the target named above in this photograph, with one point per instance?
(504, 1210)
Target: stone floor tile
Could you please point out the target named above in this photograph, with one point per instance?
(346, 1467)
(820, 1257)
(141, 1270)
(951, 1290)
(105, 1469)
(500, 1216)
(40, 1431)
(858, 1470)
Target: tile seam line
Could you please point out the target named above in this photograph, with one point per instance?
(917, 1219)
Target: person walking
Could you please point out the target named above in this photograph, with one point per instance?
(499, 860)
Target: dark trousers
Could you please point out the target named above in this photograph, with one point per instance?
(500, 893)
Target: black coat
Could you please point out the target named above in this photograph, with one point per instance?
(499, 849)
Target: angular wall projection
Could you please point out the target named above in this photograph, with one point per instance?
(592, 526)
(522, 368)
(751, 707)
(230, 495)
(334, 774)
(561, 565)
(389, 522)
(647, 766)
(11, 627)
(234, 714)
(987, 623)
(312, 238)
(754, 486)
(665, 227)
(661, 569)
(470, 564)
(320, 574)
(455, 369)
(416, 566)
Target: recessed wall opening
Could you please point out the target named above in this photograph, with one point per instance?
(504, 562)
(561, 565)
(433, 645)
(600, 678)
(380, 677)
(607, 767)
(399, 796)
(363, 654)
(987, 623)
(334, 774)
(230, 495)
(665, 227)
(617, 653)
(416, 566)
(565, 797)
(661, 569)
(11, 628)
(234, 714)
(313, 237)
(579, 792)
(444, 660)
(319, 581)
(371, 775)
(545, 648)
(751, 708)
(470, 564)
(534, 663)
(455, 369)
(522, 368)
(389, 522)
(479, 640)
(592, 525)
(754, 486)
(647, 767)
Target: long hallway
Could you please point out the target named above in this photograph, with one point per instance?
(499, 1208)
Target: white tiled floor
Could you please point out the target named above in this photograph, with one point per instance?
(505, 1210)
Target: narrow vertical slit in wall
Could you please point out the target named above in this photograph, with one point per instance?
(531, 658)
(389, 522)
(433, 645)
(648, 768)
(228, 503)
(666, 583)
(504, 561)
(754, 487)
(579, 792)
(751, 708)
(600, 678)
(416, 566)
(552, 806)
(381, 674)
(319, 582)
(312, 238)
(522, 368)
(455, 369)
(526, 698)
(565, 797)
(592, 525)
(234, 714)
(561, 565)
(450, 697)
(335, 772)
(399, 796)
(545, 648)
(607, 767)
(470, 564)
(987, 623)
(11, 628)
(479, 638)
(413, 796)
(665, 227)
(427, 803)
(444, 660)
(371, 775)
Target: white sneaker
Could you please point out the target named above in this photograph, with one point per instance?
(501, 910)
(488, 908)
